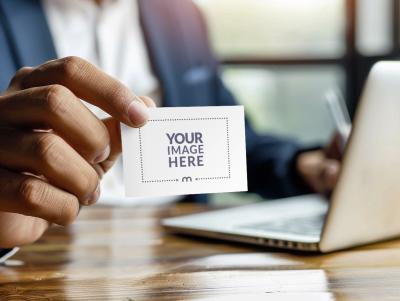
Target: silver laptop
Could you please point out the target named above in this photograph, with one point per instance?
(365, 205)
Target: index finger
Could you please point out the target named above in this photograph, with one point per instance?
(91, 84)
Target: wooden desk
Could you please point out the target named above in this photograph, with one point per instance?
(122, 254)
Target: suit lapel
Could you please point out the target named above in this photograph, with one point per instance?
(28, 32)
(179, 51)
(156, 21)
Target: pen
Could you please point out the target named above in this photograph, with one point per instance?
(340, 115)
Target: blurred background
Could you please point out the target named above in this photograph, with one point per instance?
(279, 57)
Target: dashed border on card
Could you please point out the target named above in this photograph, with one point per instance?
(186, 179)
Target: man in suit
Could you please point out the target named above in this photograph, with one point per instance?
(54, 150)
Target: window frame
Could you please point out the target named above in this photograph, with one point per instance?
(355, 65)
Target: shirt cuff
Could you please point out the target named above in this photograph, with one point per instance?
(302, 187)
(7, 253)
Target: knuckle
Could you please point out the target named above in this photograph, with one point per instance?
(101, 139)
(68, 212)
(70, 65)
(54, 99)
(45, 147)
(21, 72)
(37, 230)
(121, 93)
(88, 184)
(97, 139)
(31, 192)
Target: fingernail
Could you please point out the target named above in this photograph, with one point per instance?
(138, 112)
(333, 168)
(104, 155)
(94, 196)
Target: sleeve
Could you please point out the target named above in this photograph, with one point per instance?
(271, 160)
(7, 253)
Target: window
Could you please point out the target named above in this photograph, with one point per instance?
(286, 100)
(280, 57)
(374, 27)
(276, 28)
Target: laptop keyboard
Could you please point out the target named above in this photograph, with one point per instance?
(309, 225)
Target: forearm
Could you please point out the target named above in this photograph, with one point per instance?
(272, 170)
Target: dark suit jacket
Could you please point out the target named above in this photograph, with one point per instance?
(176, 37)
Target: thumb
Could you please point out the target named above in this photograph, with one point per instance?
(114, 131)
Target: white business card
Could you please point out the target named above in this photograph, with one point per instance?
(186, 150)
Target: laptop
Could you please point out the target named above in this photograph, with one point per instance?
(363, 208)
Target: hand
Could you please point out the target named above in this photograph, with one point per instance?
(320, 169)
(53, 150)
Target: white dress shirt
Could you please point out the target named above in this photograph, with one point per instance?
(110, 36)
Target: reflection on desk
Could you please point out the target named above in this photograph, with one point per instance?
(123, 254)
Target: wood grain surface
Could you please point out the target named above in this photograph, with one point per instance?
(123, 254)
